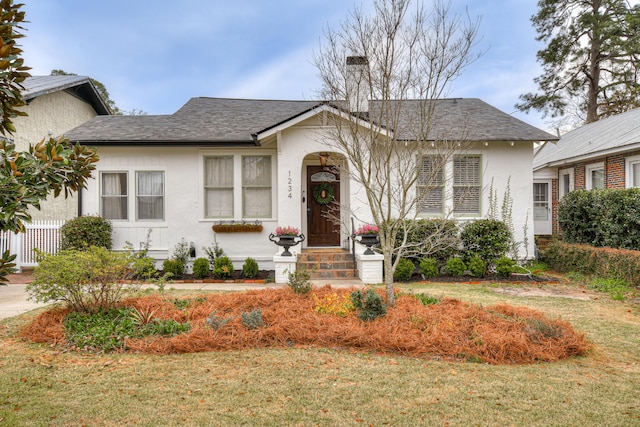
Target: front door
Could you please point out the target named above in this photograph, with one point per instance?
(541, 208)
(323, 206)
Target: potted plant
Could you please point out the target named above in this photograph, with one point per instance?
(367, 235)
(286, 237)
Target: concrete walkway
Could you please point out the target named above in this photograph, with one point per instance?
(13, 297)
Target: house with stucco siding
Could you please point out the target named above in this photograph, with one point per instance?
(55, 104)
(217, 160)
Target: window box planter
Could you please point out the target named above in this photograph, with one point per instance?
(237, 228)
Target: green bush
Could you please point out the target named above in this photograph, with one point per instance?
(426, 299)
(370, 306)
(250, 268)
(429, 267)
(456, 266)
(606, 217)
(252, 319)
(84, 231)
(173, 267)
(487, 238)
(299, 282)
(620, 264)
(201, 268)
(404, 270)
(434, 238)
(505, 266)
(142, 265)
(86, 280)
(222, 267)
(181, 252)
(477, 267)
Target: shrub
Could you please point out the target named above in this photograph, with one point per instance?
(173, 267)
(214, 251)
(486, 238)
(299, 282)
(201, 268)
(370, 305)
(404, 270)
(222, 267)
(252, 319)
(216, 322)
(426, 299)
(435, 238)
(338, 305)
(142, 265)
(250, 268)
(456, 266)
(505, 266)
(85, 280)
(429, 267)
(84, 231)
(477, 267)
(181, 252)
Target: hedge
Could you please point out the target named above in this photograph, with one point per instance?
(623, 264)
(608, 217)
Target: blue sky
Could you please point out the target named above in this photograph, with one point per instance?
(153, 55)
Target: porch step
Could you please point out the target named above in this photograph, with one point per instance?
(327, 263)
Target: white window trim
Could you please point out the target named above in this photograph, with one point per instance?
(164, 195)
(628, 169)
(132, 211)
(561, 174)
(587, 171)
(237, 183)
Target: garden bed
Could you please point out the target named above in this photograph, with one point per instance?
(263, 276)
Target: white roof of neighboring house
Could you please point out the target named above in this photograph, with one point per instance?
(79, 86)
(612, 135)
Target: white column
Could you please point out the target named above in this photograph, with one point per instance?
(370, 268)
(284, 265)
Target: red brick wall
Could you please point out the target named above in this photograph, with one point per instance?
(614, 173)
(578, 176)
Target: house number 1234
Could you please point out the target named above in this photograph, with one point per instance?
(290, 186)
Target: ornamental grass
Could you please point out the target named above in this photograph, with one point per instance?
(449, 330)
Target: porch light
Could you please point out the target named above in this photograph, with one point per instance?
(324, 158)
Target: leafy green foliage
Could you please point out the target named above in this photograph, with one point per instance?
(299, 282)
(252, 319)
(434, 238)
(589, 60)
(86, 280)
(477, 267)
(84, 231)
(426, 299)
(616, 288)
(505, 266)
(181, 252)
(214, 251)
(429, 267)
(250, 268)
(201, 268)
(222, 267)
(143, 266)
(107, 329)
(404, 270)
(456, 266)
(173, 268)
(607, 217)
(7, 266)
(370, 306)
(488, 239)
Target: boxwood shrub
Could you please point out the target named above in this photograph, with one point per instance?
(486, 238)
(83, 232)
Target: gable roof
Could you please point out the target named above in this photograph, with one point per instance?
(79, 86)
(240, 121)
(614, 134)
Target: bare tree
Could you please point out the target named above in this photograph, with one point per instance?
(401, 60)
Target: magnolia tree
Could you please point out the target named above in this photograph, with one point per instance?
(53, 166)
(401, 59)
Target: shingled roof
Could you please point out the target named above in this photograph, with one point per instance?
(79, 86)
(238, 121)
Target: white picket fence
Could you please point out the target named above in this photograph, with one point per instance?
(42, 235)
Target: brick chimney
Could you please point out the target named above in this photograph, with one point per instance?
(358, 84)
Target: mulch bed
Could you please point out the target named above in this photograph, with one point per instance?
(236, 277)
(449, 330)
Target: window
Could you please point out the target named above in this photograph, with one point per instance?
(113, 195)
(565, 182)
(595, 176)
(431, 185)
(633, 171)
(256, 186)
(150, 195)
(218, 186)
(466, 184)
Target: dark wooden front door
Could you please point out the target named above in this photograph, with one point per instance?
(322, 230)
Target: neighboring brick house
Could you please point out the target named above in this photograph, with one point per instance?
(603, 154)
(55, 105)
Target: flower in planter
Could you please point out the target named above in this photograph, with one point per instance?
(287, 231)
(366, 229)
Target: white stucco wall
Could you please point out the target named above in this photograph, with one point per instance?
(52, 115)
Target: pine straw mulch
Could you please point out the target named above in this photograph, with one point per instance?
(449, 330)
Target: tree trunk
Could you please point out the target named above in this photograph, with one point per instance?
(388, 279)
(594, 70)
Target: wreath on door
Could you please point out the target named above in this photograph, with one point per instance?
(323, 194)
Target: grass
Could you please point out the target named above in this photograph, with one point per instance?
(40, 385)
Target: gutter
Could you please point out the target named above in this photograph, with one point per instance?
(588, 156)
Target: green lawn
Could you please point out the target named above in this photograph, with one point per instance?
(43, 386)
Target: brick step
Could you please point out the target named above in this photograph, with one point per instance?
(327, 264)
(332, 274)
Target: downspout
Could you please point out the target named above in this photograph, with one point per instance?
(80, 201)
